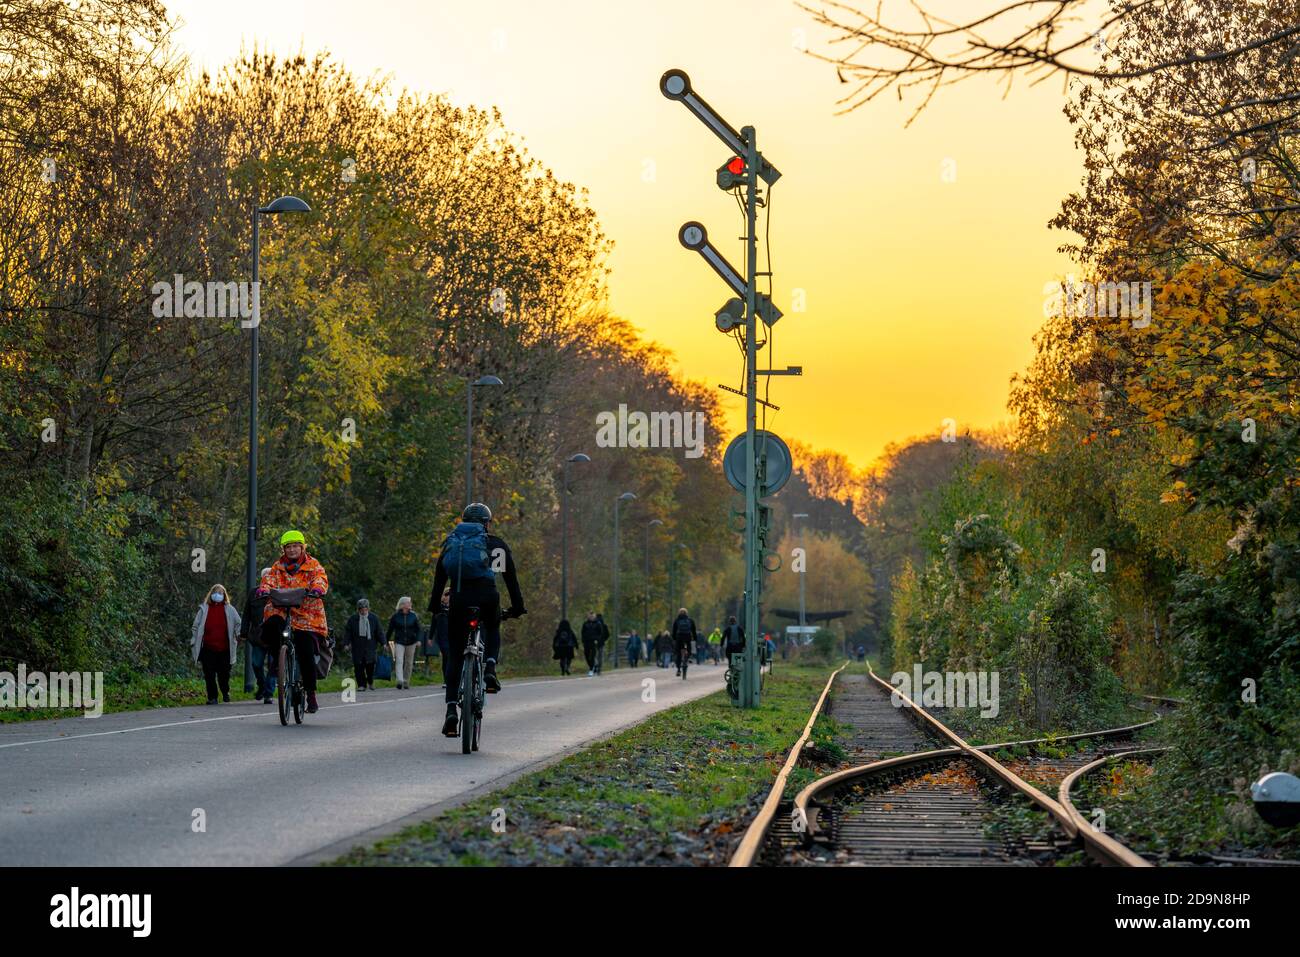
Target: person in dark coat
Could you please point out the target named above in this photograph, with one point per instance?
(250, 630)
(404, 632)
(565, 645)
(685, 637)
(591, 641)
(440, 622)
(365, 634)
(633, 648)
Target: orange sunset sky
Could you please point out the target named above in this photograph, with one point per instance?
(922, 294)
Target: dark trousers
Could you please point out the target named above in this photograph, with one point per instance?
(304, 646)
(681, 652)
(589, 652)
(364, 672)
(216, 671)
(566, 657)
(633, 657)
(489, 610)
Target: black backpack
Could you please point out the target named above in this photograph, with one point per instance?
(682, 629)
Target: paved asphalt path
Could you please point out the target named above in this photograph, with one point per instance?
(122, 789)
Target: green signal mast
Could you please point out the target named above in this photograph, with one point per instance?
(743, 170)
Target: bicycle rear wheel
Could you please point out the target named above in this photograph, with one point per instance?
(468, 693)
(478, 710)
(282, 688)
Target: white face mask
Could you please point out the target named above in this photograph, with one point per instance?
(217, 596)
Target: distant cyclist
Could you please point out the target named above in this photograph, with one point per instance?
(684, 637)
(296, 569)
(470, 558)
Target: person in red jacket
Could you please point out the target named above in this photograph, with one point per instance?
(296, 569)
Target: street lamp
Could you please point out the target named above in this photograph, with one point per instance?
(625, 497)
(285, 204)
(564, 532)
(645, 607)
(469, 432)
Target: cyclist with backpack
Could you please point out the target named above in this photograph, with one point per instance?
(296, 569)
(684, 637)
(471, 556)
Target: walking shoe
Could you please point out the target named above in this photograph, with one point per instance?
(226, 698)
(212, 701)
(591, 673)
(267, 699)
(490, 682)
(451, 727)
(311, 703)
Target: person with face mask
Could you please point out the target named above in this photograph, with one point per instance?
(214, 641)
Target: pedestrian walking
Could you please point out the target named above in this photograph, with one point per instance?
(365, 634)
(565, 645)
(633, 648)
(733, 639)
(250, 630)
(715, 643)
(440, 623)
(214, 641)
(404, 632)
(591, 642)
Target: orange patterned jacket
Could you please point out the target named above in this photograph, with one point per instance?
(311, 615)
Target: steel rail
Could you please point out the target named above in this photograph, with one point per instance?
(807, 816)
(752, 842)
(1098, 843)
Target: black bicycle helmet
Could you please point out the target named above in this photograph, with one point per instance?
(476, 512)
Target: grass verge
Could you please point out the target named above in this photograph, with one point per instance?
(679, 788)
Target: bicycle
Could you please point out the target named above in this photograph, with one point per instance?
(683, 659)
(733, 675)
(290, 696)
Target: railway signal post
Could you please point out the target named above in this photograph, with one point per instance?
(742, 171)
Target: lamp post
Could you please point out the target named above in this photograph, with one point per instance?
(645, 605)
(469, 432)
(285, 204)
(625, 497)
(564, 532)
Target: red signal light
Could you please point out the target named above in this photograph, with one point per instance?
(736, 166)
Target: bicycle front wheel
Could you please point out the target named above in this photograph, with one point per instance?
(299, 696)
(282, 689)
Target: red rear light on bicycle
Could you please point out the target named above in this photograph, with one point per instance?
(473, 623)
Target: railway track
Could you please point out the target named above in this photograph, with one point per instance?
(918, 794)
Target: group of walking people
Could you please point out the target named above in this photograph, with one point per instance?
(218, 631)
(594, 635)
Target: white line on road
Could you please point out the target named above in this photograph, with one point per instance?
(234, 717)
